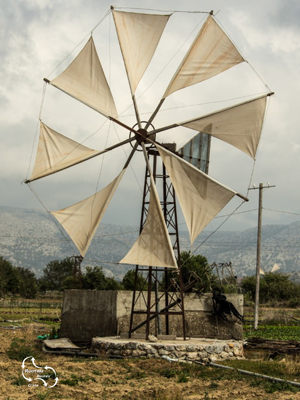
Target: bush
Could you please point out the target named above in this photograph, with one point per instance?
(274, 288)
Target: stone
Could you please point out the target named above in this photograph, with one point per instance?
(163, 352)
(236, 352)
(224, 354)
(210, 349)
(138, 353)
(131, 345)
(219, 349)
(126, 352)
(191, 348)
(193, 355)
(169, 348)
(152, 338)
(202, 354)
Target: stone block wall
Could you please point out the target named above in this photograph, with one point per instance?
(196, 351)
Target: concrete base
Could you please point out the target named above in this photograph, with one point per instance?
(203, 350)
(106, 313)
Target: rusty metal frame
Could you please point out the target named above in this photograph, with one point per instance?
(154, 275)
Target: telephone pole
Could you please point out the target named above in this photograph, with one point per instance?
(258, 251)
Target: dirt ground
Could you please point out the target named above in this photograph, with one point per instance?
(114, 379)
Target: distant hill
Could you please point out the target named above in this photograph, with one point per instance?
(31, 239)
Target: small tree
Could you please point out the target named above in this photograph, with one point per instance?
(94, 278)
(128, 281)
(273, 287)
(28, 283)
(55, 273)
(9, 277)
(194, 268)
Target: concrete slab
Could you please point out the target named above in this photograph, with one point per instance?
(60, 344)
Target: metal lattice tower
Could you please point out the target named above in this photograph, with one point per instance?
(168, 281)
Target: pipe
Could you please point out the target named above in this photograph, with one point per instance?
(242, 371)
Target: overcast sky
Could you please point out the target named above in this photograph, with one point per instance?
(38, 35)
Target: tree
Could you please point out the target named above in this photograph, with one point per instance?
(112, 284)
(128, 281)
(94, 278)
(55, 273)
(9, 278)
(28, 283)
(273, 287)
(195, 268)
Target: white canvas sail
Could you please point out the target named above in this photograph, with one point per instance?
(240, 125)
(275, 267)
(56, 152)
(84, 80)
(201, 198)
(138, 35)
(211, 53)
(153, 247)
(81, 220)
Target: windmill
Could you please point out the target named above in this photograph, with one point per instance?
(184, 172)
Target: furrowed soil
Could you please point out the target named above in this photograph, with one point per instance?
(81, 378)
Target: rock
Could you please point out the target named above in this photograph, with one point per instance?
(152, 338)
(132, 345)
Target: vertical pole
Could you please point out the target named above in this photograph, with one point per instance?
(149, 303)
(166, 272)
(157, 304)
(258, 256)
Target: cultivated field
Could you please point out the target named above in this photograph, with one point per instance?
(95, 378)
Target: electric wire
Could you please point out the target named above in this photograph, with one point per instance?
(213, 232)
(284, 212)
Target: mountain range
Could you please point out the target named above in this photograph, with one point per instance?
(31, 239)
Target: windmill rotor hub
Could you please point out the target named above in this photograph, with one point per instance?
(141, 136)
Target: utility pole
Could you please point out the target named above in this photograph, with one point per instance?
(258, 251)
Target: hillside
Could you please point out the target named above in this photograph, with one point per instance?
(31, 239)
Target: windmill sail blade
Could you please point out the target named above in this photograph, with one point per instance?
(56, 152)
(240, 125)
(211, 53)
(84, 80)
(138, 36)
(275, 268)
(82, 219)
(153, 247)
(201, 198)
(197, 150)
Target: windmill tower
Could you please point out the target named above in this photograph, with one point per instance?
(163, 287)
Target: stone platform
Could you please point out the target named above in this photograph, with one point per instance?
(193, 349)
